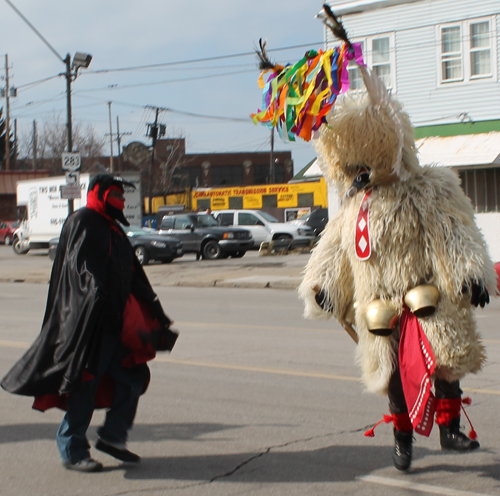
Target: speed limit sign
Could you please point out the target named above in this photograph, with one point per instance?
(71, 161)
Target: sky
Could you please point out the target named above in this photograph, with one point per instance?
(125, 36)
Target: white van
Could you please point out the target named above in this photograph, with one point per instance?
(265, 227)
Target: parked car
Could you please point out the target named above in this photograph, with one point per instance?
(147, 246)
(7, 228)
(265, 227)
(201, 234)
(316, 220)
(497, 270)
(152, 246)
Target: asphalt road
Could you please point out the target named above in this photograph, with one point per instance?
(253, 401)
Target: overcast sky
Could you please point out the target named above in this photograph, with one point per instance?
(129, 34)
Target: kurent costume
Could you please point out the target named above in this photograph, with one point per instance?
(402, 263)
(102, 323)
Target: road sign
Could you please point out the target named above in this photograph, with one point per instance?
(73, 178)
(71, 161)
(71, 191)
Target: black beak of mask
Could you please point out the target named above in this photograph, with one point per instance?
(362, 181)
(98, 196)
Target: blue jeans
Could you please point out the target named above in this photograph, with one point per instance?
(129, 384)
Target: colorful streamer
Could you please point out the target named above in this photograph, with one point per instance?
(296, 98)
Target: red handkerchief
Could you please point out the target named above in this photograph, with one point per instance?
(416, 364)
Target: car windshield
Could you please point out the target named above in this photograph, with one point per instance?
(205, 220)
(268, 217)
(134, 231)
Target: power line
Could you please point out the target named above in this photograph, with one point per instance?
(179, 80)
(18, 12)
(196, 61)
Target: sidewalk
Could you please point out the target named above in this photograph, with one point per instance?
(251, 271)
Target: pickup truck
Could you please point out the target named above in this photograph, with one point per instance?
(265, 227)
(201, 234)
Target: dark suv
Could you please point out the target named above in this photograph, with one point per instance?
(201, 234)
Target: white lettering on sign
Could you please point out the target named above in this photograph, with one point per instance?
(71, 161)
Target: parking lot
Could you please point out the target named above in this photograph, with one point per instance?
(250, 271)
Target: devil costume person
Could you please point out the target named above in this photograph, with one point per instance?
(102, 323)
(403, 264)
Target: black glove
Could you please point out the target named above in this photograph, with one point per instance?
(479, 293)
(160, 339)
(159, 313)
(323, 301)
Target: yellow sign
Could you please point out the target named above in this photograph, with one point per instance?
(252, 201)
(310, 193)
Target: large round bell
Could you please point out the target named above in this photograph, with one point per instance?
(422, 300)
(381, 317)
(350, 315)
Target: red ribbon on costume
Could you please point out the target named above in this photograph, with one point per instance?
(401, 422)
(363, 243)
(416, 364)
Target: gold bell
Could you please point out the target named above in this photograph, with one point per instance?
(422, 300)
(350, 315)
(381, 317)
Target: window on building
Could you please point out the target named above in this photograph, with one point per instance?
(194, 175)
(236, 202)
(203, 203)
(378, 54)
(466, 51)
(451, 53)
(261, 174)
(480, 49)
(305, 200)
(227, 175)
(269, 200)
(482, 186)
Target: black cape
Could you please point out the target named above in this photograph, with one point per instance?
(94, 272)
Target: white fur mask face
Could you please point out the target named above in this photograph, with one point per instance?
(368, 129)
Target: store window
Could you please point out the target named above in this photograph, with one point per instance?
(482, 186)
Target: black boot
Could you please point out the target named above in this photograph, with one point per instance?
(452, 439)
(402, 449)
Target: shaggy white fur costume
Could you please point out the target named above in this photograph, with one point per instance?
(422, 231)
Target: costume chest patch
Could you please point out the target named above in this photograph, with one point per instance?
(363, 242)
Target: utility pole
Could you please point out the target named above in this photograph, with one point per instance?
(69, 125)
(7, 115)
(35, 144)
(118, 139)
(155, 131)
(271, 159)
(154, 136)
(119, 142)
(110, 139)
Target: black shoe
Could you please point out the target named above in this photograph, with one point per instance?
(402, 449)
(87, 465)
(122, 454)
(452, 439)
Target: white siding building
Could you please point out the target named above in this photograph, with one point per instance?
(441, 58)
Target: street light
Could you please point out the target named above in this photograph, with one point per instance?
(80, 60)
